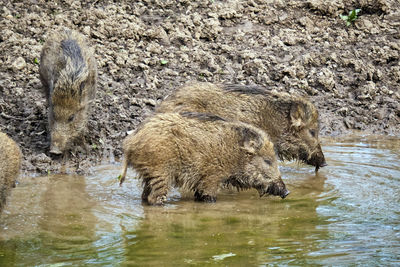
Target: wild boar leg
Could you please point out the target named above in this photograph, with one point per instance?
(206, 191)
(146, 190)
(202, 197)
(158, 190)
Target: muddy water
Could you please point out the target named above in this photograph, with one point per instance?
(349, 213)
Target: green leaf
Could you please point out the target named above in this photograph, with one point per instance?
(119, 177)
(352, 15)
(36, 60)
(163, 62)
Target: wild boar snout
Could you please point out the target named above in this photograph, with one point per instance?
(277, 189)
(285, 193)
(55, 150)
(58, 142)
(317, 158)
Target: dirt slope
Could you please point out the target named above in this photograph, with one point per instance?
(145, 49)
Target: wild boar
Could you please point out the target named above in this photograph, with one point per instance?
(68, 72)
(10, 164)
(290, 121)
(200, 152)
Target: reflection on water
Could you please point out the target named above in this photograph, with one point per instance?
(242, 228)
(346, 214)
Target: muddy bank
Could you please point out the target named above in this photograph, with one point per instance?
(146, 49)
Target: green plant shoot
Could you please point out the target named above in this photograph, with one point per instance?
(353, 15)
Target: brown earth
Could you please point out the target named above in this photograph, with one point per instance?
(145, 49)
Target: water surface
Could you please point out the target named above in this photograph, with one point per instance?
(346, 214)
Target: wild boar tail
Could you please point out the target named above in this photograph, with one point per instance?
(124, 169)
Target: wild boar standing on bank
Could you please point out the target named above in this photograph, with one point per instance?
(200, 152)
(10, 165)
(68, 72)
(290, 121)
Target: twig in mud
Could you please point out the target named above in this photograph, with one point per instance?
(17, 118)
(12, 117)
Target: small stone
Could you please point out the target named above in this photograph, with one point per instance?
(150, 102)
(86, 30)
(41, 158)
(368, 24)
(325, 78)
(19, 64)
(343, 111)
(348, 123)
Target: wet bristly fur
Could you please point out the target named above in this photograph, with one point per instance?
(290, 121)
(68, 73)
(200, 152)
(10, 164)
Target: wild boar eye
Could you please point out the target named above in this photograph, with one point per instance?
(268, 161)
(71, 118)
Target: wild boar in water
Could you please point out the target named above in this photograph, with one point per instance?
(200, 152)
(68, 72)
(290, 121)
(10, 164)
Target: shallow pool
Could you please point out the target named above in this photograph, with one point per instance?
(346, 214)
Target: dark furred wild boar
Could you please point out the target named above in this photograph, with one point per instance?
(68, 73)
(200, 152)
(10, 164)
(290, 121)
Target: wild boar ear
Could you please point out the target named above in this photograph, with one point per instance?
(298, 115)
(251, 147)
(250, 140)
